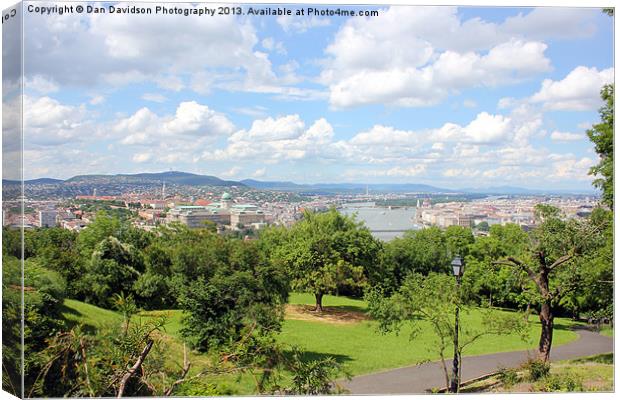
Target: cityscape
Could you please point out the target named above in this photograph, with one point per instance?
(238, 207)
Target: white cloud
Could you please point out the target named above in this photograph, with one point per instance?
(49, 122)
(272, 140)
(259, 173)
(154, 97)
(578, 91)
(190, 119)
(231, 173)
(271, 44)
(566, 136)
(301, 24)
(96, 100)
(119, 49)
(469, 103)
(40, 84)
(141, 157)
(400, 59)
(572, 169)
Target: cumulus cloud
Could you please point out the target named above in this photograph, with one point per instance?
(48, 122)
(272, 140)
(141, 157)
(191, 119)
(40, 84)
(566, 136)
(393, 60)
(578, 91)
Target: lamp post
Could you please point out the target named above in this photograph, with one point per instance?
(457, 270)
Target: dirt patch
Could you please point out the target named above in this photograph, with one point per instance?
(330, 315)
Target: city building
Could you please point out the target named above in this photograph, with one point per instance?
(224, 212)
(47, 218)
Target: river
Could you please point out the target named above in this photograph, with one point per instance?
(384, 223)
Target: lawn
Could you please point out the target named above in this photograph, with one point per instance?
(357, 345)
(607, 330)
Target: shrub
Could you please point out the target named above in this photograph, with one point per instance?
(508, 377)
(562, 383)
(537, 369)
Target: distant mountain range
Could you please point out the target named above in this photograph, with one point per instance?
(174, 177)
(350, 187)
(180, 178)
(190, 179)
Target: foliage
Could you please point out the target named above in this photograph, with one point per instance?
(433, 299)
(312, 377)
(508, 377)
(328, 253)
(77, 364)
(246, 291)
(602, 135)
(561, 382)
(113, 268)
(537, 369)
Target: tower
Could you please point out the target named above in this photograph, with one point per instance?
(163, 190)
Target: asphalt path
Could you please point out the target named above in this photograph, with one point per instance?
(422, 378)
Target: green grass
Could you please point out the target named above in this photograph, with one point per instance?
(607, 331)
(363, 349)
(79, 312)
(359, 346)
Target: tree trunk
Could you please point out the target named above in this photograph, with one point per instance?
(546, 333)
(319, 302)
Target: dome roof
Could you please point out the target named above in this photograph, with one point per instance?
(226, 196)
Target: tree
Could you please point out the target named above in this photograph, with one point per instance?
(113, 268)
(602, 135)
(422, 251)
(328, 253)
(433, 299)
(245, 292)
(554, 247)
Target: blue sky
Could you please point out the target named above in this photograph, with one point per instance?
(455, 97)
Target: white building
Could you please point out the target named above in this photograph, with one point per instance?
(47, 218)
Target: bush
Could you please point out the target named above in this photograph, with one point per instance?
(537, 369)
(562, 383)
(508, 377)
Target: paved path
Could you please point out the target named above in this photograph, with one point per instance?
(420, 378)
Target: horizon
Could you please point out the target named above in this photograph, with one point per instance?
(592, 190)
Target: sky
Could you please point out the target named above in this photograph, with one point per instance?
(455, 97)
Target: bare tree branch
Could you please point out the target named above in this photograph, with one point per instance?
(186, 366)
(561, 260)
(511, 261)
(132, 370)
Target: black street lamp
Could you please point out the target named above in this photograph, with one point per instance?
(457, 269)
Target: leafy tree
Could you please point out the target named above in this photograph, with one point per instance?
(458, 240)
(101, 228)
(113, 268)
(602, 135)
(550, 261)
(422, 251)
(56, 249)
(244, 291)
(433, 299)
(328, 253)
(43, 294)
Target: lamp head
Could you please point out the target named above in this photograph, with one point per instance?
(457, 265)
